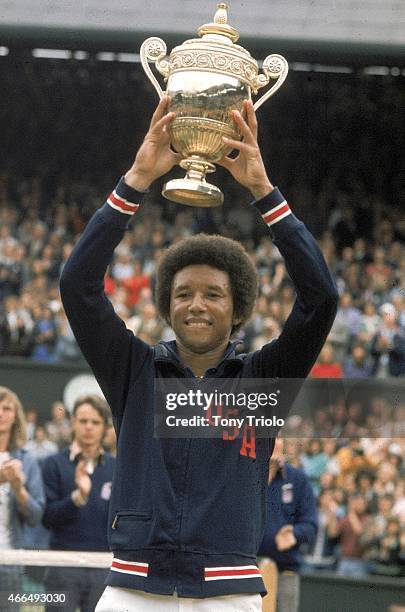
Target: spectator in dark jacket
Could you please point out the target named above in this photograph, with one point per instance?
(78, 486)
(15, 329)
(357, 365)
(292, 520)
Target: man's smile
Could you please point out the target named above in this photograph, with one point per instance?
(198, 323)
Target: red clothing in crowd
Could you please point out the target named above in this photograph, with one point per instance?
(350, 540)
(109, 285)
(133, 287)
(327, 370)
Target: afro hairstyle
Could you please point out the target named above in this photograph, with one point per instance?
(215, 251)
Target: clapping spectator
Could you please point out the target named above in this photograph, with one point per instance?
(348, 530)
(291, 522)
(21, 490)
(78, 487)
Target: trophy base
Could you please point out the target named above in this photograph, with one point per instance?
(193, 193)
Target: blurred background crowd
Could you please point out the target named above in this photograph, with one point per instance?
(333, 144)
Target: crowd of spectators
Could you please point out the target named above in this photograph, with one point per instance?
(359, 484)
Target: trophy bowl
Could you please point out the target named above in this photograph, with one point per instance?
(207, 78)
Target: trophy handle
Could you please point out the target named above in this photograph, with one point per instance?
(154, 49)
(274, 67)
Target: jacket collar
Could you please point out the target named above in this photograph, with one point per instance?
(76, 454)
(166, 352)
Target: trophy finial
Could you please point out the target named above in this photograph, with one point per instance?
(221, 16)
(220, 26)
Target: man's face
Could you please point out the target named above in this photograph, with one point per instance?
(7, 415)
(201, 308)
(88, 426)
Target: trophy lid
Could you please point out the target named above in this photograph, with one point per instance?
(220, 26)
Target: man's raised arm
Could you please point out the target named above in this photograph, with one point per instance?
(102, 336)
(293, 354)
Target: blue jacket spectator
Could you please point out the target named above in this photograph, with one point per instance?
(291, 522)
(20, 476)
(21, 490)
(290, 501)
(357, 365)
(78, 488)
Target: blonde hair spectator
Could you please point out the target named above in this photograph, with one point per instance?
(18, 433)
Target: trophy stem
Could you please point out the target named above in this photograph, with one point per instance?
(193, 189)
(197, 167)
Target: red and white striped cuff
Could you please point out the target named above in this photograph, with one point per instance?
(273, 207)
(134, 568)
(119, 203)
(231, 573)
(277, 213)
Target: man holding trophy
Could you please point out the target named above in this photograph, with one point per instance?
(187, 514)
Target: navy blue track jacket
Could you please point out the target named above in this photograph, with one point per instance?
(187, 515)
(74, 528)
(290, 501)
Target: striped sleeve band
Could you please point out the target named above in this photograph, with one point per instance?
(273, 207)
(231, 573)
(130, 567)
(122, 204)
(125, 199)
